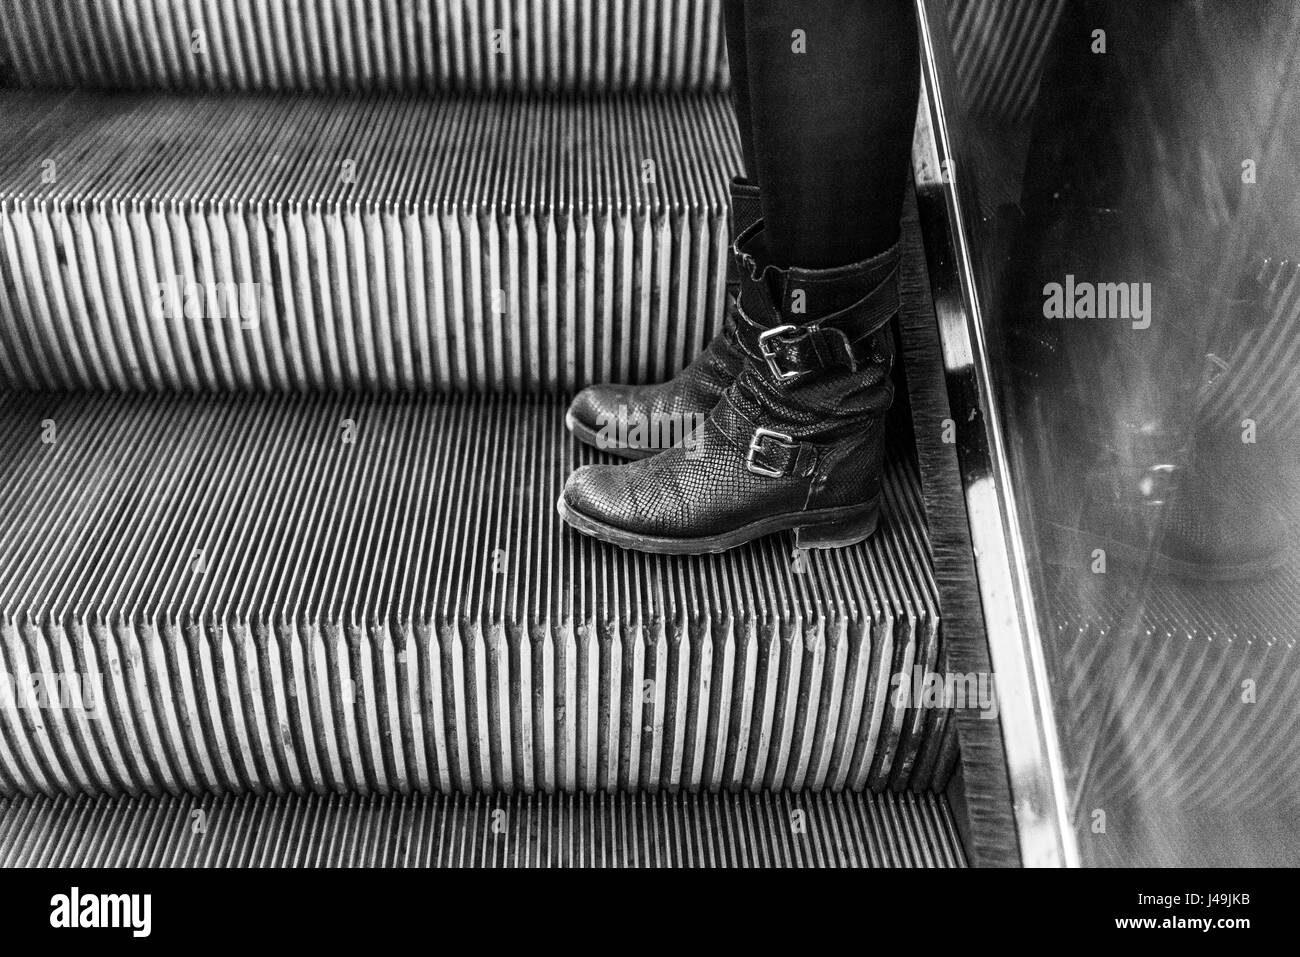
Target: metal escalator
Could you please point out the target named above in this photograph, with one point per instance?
(768, 829)
(288, 296)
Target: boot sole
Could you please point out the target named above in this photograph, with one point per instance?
(1073, 547)
(589, 436)
(821, 528)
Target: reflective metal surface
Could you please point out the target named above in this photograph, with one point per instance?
(1129, 195)
(1032, 749)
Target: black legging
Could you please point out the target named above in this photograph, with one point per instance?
(826, 132)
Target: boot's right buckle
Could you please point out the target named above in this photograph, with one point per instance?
(756, 447)
(770, 355)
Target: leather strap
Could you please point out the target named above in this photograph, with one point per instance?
(833, 341)
(767, 451)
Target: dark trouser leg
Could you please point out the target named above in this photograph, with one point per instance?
(734, 19)
(832, 125)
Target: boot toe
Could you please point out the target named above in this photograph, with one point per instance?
(596, 492)
(595, 406)
(614, 498)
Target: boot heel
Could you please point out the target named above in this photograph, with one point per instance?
(846, 531)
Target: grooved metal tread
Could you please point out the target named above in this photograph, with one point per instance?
(780, 829)
(334, 45)
(392, 243)
(377, 593)
(466, 45)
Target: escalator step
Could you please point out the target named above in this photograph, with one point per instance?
(336, 45)
(469, 45)
(300, 243)
(376, 594)
(780, 829)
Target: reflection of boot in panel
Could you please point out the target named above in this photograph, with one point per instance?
(1159, 455)
(1125, 245)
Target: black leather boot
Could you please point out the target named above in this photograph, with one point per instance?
(796, 442)
(633, 421)
(1208, 520)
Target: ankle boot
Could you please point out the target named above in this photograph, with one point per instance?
(795, 442)
(634, 421)
(1214, 518)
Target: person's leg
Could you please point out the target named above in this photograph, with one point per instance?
(832, 87)
(796, 441)
(738, 65)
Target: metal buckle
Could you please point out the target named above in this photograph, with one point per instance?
(771, 356)
(756, 446)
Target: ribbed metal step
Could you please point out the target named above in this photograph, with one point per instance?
(465, 45)
(602, 45)
(607, 830)
(394, 243)
(376, 594)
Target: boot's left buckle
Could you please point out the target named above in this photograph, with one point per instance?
(756, 447)
(770, 355)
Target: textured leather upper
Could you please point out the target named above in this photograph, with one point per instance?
(686, 398)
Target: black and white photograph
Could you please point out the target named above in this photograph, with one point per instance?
(452, 435)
